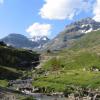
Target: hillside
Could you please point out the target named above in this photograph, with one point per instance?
(21, 41)
(67, 70)
(76, 67)
(18, 58)
(13, 62)
(72, 33)
(88, 41)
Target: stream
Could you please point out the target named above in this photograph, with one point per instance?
(45, 97)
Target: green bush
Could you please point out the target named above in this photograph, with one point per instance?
(29, 98)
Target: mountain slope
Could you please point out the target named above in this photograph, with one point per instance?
(13, 62)
(73, 68)
(40, 40)
(17, 58)
(21, 41)
(89, 40)
(71, 33)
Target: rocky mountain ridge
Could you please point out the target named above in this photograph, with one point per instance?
(21, 41)
(71, 33)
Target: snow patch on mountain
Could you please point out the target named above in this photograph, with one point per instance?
(84, 25)
(90, 30)
(39, 38)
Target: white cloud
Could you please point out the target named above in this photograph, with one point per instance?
(1, 1)
(63, 9)
(38, 29)
(96, 11)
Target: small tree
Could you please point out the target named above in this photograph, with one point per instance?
(48, 51)
(55, 64)
(29, 98)
(2, 43)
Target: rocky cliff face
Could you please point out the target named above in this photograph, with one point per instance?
(71, 33)
(64, 39)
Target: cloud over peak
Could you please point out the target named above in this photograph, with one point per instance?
(37, 29)
(63, 9)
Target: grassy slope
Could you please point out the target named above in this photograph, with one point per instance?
(90, 40)
(8, 73)
(14, 57)
(9, 60)
(67, 67)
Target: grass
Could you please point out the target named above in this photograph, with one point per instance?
(72, 77)
(16, 58)
(9, 68)
(67, 67)
(8, 73)
(79, 60)
(3, 83)
(14, 62)
(89, 40)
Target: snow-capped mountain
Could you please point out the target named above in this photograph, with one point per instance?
(85, 25)
(21, 41)
(64, 39)
(39, 38)
(71, 33)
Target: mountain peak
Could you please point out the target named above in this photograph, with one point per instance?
(21, 41)
(73, 32)
(39, 38)
(83, 26)
(84, 21)
(16, 35)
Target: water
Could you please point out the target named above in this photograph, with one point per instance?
(50, 98)
(44, 97)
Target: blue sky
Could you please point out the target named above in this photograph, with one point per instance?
(43, 17)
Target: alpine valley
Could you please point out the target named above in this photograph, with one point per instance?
(66, 68)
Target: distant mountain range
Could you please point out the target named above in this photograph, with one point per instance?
(21, 41)
(71, 33)
(64, 39)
